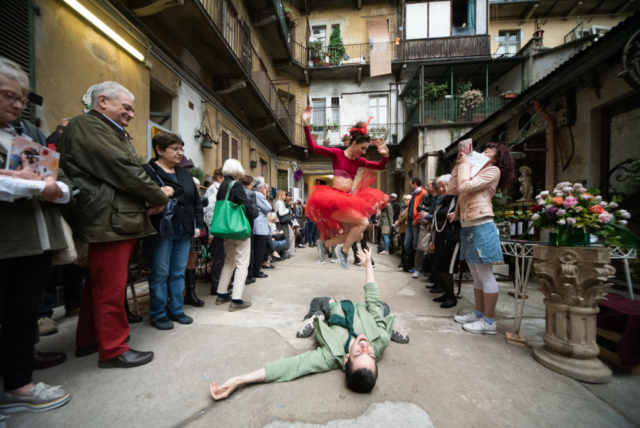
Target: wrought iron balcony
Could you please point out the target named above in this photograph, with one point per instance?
(338, 135)
(446, 47)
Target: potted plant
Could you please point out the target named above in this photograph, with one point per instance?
(326, 143)
(433, 92)
(509, 95)
(315, 50)
(470, 100)
(326, 59)
(345, 138)
(336, 47)
(332, 126)
(394, 138)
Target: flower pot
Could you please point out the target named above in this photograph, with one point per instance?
(326, 143)
(429, 120)
(568, 236)
(375, 141)
(461, 119)
(573, 282)
(478, 117)
(509, 96)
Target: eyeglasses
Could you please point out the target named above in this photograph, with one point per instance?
(11, 98)
(176, 149)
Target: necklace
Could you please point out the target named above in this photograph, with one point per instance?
(445, 220)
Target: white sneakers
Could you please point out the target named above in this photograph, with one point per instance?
(464, 319)
(416, 274)
(384, 253)
(473, 324)
(480, 327)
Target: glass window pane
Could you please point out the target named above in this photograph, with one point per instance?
(501, 38)
(513, 37)
(382, 101)
(373, 102)
(501, 50)
(511, 49)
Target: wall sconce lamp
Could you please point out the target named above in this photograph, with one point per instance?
(105, 29)
(206, 138)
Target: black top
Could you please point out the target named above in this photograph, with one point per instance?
(425, 203)
(189, 206)
(452, 230)
(396, 211)
(237, 196)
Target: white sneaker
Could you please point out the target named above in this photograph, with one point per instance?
(416, 274)
(321, 262)
(42, 397)
(464, 319)
(359, 263)
(384, 253)
(480, 327)
(334, 260)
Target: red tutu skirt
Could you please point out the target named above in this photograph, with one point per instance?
(328, 206)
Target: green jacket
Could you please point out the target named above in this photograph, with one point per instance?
(114, 189)
(386, 215)
(330, 353)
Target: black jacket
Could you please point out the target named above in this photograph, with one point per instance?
(237, 196)
(452, 230)
(396, 211)
(425, 203)
(189, 206)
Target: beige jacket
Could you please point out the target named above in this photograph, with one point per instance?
(474, 194)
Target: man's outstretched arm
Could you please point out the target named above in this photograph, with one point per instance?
(219, 392)
(371, 293)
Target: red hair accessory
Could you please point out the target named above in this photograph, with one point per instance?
(363, 130)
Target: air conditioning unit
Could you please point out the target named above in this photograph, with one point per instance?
(399, 164)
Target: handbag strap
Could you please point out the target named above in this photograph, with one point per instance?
(226, 198)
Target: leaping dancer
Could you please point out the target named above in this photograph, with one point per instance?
(341, 212)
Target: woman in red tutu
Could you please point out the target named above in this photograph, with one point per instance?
(342, 212)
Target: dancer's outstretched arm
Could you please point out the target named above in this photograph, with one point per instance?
(219, 392)
(311, 145)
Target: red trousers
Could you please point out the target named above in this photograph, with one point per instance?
(103, 320)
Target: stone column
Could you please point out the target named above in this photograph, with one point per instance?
(573, 282)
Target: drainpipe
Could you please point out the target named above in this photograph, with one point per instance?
(551, 143)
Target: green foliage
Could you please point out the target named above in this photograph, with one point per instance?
(198, 173)
(316, 47)
(455, 134)
(142, 159)
(336, 48)
(433, 92)
(463, 86)
(499, 203)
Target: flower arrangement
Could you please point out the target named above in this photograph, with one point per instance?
(569, 207)
(471, 99)
(345, 138)
(298, 174)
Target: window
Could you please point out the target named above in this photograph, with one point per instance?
(335, 110)
(319, 118)
(263, 169)
(229, 147)
(509, 41)
(378, 109)
(463, 17)
(320, 33)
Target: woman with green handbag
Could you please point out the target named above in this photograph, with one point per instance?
(232, 220)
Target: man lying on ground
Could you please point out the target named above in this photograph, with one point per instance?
(354, 340)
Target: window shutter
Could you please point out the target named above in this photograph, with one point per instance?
(234, 149)
(15, 37)
(224, 150)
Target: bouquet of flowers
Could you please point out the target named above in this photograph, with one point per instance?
(570, 207)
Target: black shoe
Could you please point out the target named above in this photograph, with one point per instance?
(400, 265)
(262, 275)
(446, 305)
(130, 358)
(440, 299)
(249, 281)
(430, 286)
(437, 290)
(46, 360)
(190, 297)
(277, 259)
(268, 267)
(163, 323)
(214, 291)
(134, 319)
(181, 318)
(84, 351)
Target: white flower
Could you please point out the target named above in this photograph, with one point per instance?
(603, 204)
(599, 197)
(613, 205)
(544, 193)
(559, 193)
(562, 222)
(561, 212)
(571, 221)
(582, 189)
(625, 215)
(577, 185)
(560, 186)
(585, 197)
(538, 197)
(567, 189)
(537, 216)
(623, 222)
(551, 206)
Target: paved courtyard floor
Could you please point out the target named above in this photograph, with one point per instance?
(444, 377)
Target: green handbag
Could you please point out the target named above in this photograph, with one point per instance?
(230, 220)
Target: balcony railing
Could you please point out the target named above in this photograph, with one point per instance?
(226, 19)
(300, 53)
(447, 47)
(451, 111)
(338, 135)
(355, 54)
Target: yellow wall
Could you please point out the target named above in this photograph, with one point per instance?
(353, 22)
(71, 56)
(554, 30)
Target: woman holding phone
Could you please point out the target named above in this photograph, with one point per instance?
(479, 241)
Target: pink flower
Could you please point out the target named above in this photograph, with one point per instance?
(571, 221)
(605, 217)
(578, 209)
(570, 201)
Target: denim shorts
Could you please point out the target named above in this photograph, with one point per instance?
(480, 244)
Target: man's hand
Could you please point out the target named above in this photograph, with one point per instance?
(221, 392)
(364, 256)
(155, 210)
(51, 191)
(168, 190)
(25, 174)
(306, 115)
(197, 234)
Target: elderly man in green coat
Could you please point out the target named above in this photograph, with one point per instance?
(110, 215)
(354, 340)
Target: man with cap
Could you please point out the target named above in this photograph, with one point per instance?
(396, 206)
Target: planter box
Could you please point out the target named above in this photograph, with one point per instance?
(461, 119)
(429, 120)
(326, 143)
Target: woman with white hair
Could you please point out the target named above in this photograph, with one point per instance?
(30, 231)
(238, 253)
(446, 241)
(261, 228)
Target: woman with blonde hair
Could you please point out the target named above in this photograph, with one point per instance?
(284, 215)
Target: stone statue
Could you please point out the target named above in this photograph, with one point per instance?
(526, 185)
